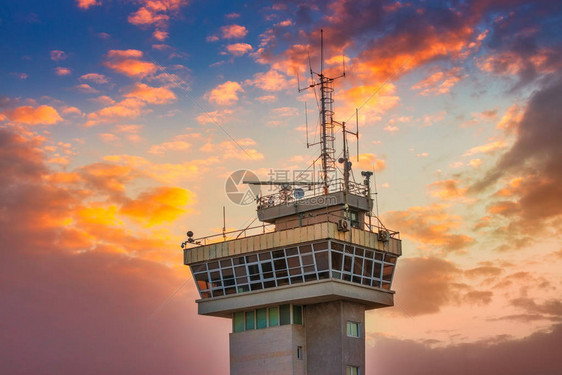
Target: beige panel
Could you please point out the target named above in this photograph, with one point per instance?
(290, 237)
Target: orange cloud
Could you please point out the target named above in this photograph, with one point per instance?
(447, 189)
(169, 146)
(373, 101)
(485, 149)
(271, 81)
(233, 31)
(214, 117)
(60, 71)
(225, 94)
(145, 16)
(511, 118)
(127, 62)
(42, 115)
(238, 49)
(431, 226)
(153, 95)
(127, 108)
(369, 161)
(85, 4)
(156, 13)
(438, 83)
(158, 206)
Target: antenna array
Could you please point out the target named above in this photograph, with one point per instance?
(327, 123)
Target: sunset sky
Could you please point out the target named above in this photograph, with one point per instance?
(120, 121)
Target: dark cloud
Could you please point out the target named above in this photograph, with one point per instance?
(535, 354)
(536, 155)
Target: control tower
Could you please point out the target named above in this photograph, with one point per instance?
(297, 292)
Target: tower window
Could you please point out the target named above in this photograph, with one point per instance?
(353, 329)
(285, 312)
(352, 370)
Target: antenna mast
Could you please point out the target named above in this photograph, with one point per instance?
(327, 147)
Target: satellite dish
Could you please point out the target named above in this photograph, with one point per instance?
(298, 193)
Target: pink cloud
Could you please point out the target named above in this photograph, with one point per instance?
(57, 55)
(239, 49)
(86, 89)
(60, 71)
(94, 77)
(153, 95)
(128, 62)
(28, 115)
(233, 31)
(86, 4)
(225, 94)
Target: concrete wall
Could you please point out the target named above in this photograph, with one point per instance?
(328, 347)
(271, 351)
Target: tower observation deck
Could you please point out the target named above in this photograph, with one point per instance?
(297, 291)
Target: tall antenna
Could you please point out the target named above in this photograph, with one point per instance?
(327, 139)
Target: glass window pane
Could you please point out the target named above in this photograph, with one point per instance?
(198, 268)
(322, 262)
(261, 318)
(307, 259)
(347, 264)
(213, 265)
(266, 255)
(336, 260)
(294, 262)
(320, 246)
(251, 258)
(249, 320)
(377, 270)
(202, 281)
(353, 329)
(273, 316)
(297, 314)
(291, 251)
(267, 267)
(337, 246)
(238, 321)
(390, 258)
(368, 268)
(226, 263)
(387, 272)
(227, 272)
(305, 249)
(357, 266)
(280, 264)
(285, 314)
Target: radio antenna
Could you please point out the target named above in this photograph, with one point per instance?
(327, 138)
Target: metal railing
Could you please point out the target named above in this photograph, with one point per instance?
(286, 195)
(257, 230)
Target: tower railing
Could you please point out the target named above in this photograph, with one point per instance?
(283, 196)
(258, 230)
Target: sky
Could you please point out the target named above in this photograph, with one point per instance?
(121, 120)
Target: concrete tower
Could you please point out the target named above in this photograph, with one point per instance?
(297, 292)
